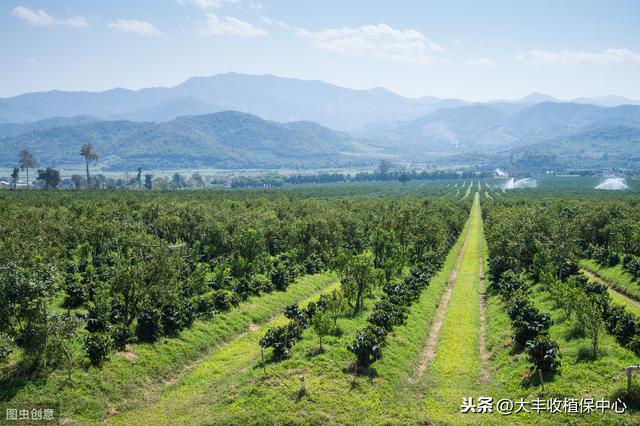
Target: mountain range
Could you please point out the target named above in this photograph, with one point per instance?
(267, 96)
(238, 120)
(486, 126)
(222, 140)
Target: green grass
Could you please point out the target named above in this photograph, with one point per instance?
(127, 380)
(230, 388)
(616, 277)
(455, 368)
(622, 300)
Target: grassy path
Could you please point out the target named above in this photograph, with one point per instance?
(615, 277)
(617, 297)
(434, 332)
(484, 353)
(456, 366)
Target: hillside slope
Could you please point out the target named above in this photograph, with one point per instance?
(224, 139)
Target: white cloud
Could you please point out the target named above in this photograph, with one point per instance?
(210, 4)
(378, 41)
(276, 23)
(609, 56)
(228, 25)
(485, 62)
(256, 5)
(132, 26)
(43, 19)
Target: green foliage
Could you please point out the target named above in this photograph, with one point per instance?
(544, 354)
(280, 339)
(120, 336)
(590, 316)
(24, 314)
(529, 324)
(322, 325)
(97, 346)
(148, 325)
(333, 305)
(368, 344)
(50, 177)
(5, 348)
(626, 327)
(358, 277)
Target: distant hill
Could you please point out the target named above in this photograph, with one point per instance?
(492, 128)
(536, 98)
(168, 110)
(604, 147)
(270, 97)
(607, 101)
(15, 129)
(224, 140)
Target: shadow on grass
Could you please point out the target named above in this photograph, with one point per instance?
(269, 360)
(366, 373)
(516, 348)
(315, 352)
(337, 332)
(17, 376)
(575, 332)
(585, 354)
(631, 398)
(532, 378)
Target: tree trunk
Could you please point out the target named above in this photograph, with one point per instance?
(27, 177)
(359, 300)
(541, 379)
(88, 180)
(69, 360)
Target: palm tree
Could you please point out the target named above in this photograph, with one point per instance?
(89, 155)
(27, 162)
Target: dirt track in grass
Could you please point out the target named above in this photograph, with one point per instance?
(429, 350)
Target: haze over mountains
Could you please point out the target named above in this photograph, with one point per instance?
(267, 96)
(272, 98)
(284, 122)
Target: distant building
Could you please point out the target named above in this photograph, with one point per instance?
(501, 173)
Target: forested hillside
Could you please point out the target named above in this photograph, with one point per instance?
(223, 140)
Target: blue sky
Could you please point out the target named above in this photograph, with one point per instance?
(476, 50)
